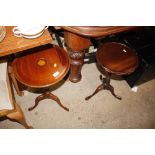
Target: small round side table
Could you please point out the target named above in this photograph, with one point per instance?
(114, 58)
(42, 68)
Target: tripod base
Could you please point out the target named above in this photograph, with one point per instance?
(47, 95)
(104, 86)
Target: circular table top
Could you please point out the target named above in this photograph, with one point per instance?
(117, 58)
(42, 68)
(97, 31)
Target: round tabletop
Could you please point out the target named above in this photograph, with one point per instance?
(42, 68)
(117, 58)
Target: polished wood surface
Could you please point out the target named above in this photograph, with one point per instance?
(117, 58)
(43, 67)
(76, 42)
(75, 46)
(114, 58)
(97, 31)
(77, 39)
(12, 44)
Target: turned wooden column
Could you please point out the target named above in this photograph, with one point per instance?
(76, 46)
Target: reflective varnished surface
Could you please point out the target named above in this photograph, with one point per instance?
(117, 58)
(43, 68)
(97, 31)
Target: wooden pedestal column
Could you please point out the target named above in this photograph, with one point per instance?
(76, 46)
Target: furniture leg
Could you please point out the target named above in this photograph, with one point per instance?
(20, 93)
(37, 100)
(76, 60)
(100, 87)
(111, 89)
(18, 116)
(47, 95)
(106, 86)
(55, 98)
(76, 46)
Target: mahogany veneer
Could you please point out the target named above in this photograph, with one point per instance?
(41, 69)
(114, 58)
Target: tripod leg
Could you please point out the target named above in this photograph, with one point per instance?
(46, 96)
(100, 87)
(37, 100)
(55, 98)
(111, 89)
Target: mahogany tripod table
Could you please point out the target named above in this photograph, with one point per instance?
(41, 68)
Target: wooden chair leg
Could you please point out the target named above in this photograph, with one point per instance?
(20, 93)
(18, 116)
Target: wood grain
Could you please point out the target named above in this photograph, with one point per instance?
(97, 31)
(117, 58)
(76, 42)
(12, 44)
(44, 67)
